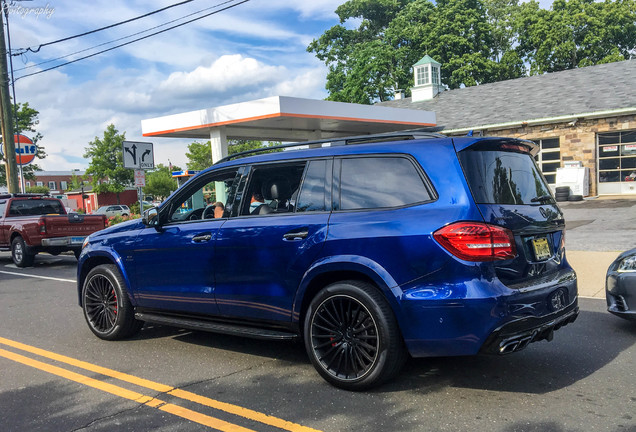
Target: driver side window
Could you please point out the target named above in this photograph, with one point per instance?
(207, 198)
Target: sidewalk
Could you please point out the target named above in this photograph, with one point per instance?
(591, 267)
(597, 231)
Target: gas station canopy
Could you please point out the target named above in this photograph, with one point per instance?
(282, 118)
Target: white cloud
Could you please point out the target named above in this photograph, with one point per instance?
(228, 73)
(253, 51)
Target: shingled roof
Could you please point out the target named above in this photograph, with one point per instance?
(592, 89)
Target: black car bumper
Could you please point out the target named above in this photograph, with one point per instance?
(518, 334)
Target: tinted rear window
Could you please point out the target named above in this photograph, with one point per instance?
(380, 182)
(35, 207)
(502, 177)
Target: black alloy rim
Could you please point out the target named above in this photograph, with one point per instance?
(344, 338)
(100, 303)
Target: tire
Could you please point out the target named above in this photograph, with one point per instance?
(351, 322)
(562, 190)
(107, 308)
(19, 253)
(575, 198)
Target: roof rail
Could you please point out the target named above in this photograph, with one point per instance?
(24, 195)
(426, 133)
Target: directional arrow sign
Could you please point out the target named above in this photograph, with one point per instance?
(138, 155)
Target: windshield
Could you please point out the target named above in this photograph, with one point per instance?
(503, 177)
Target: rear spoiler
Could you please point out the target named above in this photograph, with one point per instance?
(495, 143)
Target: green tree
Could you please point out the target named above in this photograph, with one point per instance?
(106, 162)
(364, 66)
(238, 146)
(200, 154)
(76, 181)
(477, 41)
(575, 33)
(159, 182)
(27, 120)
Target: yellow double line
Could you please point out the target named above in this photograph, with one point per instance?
(149, 401)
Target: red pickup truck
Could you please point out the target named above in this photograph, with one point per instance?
(31, 223)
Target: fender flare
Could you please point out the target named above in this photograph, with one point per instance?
(349, 263)
(110, 255)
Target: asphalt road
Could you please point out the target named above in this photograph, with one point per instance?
(56, 376)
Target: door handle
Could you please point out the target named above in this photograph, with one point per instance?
(200, 238)
(296, 235)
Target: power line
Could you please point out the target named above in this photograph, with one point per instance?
(102, 28)
(136, 40)
(121, 38)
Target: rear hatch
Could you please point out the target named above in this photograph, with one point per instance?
(511, 192)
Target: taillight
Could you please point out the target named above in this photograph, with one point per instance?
(105, 221)
(476, 241)
(42, 226)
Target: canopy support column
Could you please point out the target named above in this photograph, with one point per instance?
(218, 145)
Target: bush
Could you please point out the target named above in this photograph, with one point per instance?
(37, 189)
(114, 220)
(134, 207)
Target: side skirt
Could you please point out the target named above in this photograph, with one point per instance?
(216, 327)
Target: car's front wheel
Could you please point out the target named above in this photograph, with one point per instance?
(21, 257)
(106, 306)
(352, 337)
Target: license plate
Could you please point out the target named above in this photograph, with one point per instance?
(541, 248)
(77, 240)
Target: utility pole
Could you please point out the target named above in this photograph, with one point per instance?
(6, 116)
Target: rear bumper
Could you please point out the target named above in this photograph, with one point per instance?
(72, 242)
(516, 335)
(483, 315)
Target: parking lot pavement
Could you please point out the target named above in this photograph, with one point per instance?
(597, 231)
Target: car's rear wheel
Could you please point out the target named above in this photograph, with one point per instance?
(19, 254)
(352, 337)
(107, 309)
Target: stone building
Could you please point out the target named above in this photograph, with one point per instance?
(586, 114)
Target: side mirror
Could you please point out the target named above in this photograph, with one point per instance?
(151, 218)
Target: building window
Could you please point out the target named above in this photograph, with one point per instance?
(422, 75)
(617, 157)
(39, 184)
(435, 74)
(28, 184)
(52, 185)
(63, 185)
(549, 157)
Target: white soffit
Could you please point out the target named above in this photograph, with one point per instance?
(281, 118)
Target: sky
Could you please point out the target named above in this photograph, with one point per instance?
(252, 51)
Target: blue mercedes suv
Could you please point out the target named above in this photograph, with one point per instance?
(368, 249)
